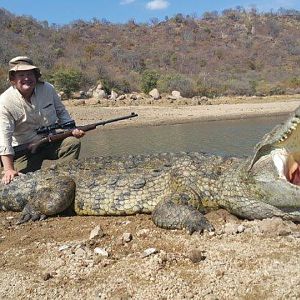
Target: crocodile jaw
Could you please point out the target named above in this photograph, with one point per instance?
(284, 137)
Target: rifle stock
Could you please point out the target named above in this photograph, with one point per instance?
(32, 147)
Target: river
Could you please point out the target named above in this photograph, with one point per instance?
(229, 137)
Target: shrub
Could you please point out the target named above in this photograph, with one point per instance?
(265, 88)
(208, 88)
(66, 80)
(177, 82)
(119, 85)
(149, 80)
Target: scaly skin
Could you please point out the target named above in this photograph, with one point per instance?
(175, 188)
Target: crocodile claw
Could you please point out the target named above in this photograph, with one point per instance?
(30, 213)
(198, 226)
(170, 215)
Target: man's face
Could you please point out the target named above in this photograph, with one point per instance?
(24, 81)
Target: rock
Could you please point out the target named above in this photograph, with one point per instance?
(79, 102)
(196, 255)
(62, 95)
(99, 92)
(143, 233)
(82, 94)
(92, 101)
(276, 227)
(231, 228)
(154, 94)
(80, 252)
(121, 97)
(149, 252)
(133, 97)
(100, 85)
(96, 233)
(241, 228)
(113, 95)
(101, 251)
(127, 237)
(47, 276)
(176, 94)
(63, 247)
(89, 93)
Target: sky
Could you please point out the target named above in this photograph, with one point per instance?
(63, 12)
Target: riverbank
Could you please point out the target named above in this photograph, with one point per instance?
(158, 114)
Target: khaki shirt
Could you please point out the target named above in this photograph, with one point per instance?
(19, 119)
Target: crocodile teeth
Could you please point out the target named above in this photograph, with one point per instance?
(284, 137)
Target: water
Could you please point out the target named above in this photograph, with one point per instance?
(233, 137)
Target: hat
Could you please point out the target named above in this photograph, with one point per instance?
(22, 63)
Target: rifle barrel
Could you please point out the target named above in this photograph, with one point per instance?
(132, 115)
(32, 147)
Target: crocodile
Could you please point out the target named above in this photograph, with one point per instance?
(177, 189)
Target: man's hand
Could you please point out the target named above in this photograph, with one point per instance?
(9, 176)
(9, 170)
(78, 133)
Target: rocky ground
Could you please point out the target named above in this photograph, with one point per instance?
(67, 257)
(130, 258)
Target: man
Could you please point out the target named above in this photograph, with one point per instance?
(27, 105)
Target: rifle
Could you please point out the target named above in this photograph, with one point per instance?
(54, 137)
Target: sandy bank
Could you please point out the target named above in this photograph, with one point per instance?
(157, 115)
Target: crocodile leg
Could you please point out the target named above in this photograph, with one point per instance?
(51, 198)
(171, 215)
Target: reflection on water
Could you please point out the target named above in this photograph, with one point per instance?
(234, 137)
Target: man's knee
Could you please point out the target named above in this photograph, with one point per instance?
(70, 147)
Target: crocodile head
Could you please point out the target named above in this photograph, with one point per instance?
(276, 161)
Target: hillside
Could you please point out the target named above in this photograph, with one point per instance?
(232, 53)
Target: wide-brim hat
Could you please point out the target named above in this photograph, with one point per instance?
(22, 63)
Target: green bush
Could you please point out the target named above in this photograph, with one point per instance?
(169, 83)
(119, 85)
(66, 80)
(149, 80)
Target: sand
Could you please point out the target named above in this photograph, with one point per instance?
(152, 115)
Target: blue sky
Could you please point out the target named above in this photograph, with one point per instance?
(120, 11)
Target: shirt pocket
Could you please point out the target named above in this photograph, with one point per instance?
(49, 113)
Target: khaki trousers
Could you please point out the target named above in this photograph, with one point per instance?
(63, 151)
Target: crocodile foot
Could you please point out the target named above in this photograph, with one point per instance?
(170, 215)
(30, 213)
(52, 197)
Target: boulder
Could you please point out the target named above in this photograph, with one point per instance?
(99, 93)
(154, 94)
(176, 94)
(121, 97)
(113, 95)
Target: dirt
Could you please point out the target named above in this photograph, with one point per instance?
(131, 258)
(56, 258)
